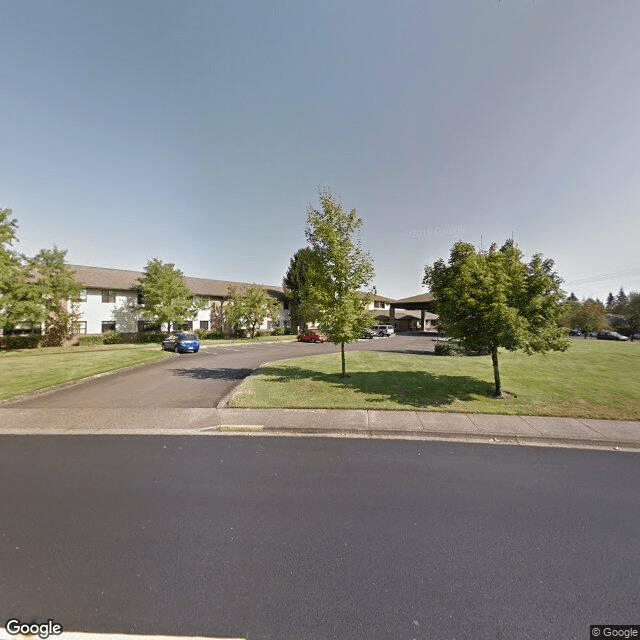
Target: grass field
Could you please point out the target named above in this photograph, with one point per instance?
(26, 370)
(594, 379)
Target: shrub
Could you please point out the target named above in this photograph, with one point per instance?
(214, 335)
(23, 342)
(290, 331)
(262, 334)
(112, 337)
(240, 333)
(449, 348)
(201, 333)
(89, 340)
(146, 338)
(278, 331)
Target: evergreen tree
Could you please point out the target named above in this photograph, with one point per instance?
(294, 283)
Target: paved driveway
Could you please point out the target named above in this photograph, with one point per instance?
(197, 380)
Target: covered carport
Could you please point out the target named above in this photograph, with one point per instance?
(423, 303)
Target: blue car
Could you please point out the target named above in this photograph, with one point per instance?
(181, 343)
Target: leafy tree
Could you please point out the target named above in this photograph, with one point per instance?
(52, 295)
(165, 295)
(491, 300)
(294, 283)
(589, 316)
(339, 269)
(633, 314)
(250, 307)
(12, 273)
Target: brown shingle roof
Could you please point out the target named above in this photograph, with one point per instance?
(121, 280)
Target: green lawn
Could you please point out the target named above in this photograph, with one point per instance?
(26, 370)
(593, 379)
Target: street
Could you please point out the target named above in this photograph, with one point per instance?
(266, 538)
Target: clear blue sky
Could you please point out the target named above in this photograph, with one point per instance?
(199, 131)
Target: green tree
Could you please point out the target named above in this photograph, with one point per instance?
(250, 307)
(339, 269)
(610, 305)
(52, 295)
(633, 313)
(589, 316)
(13, 282)
(492, 300)
(165, 295)
(622, 299)
(294, 283)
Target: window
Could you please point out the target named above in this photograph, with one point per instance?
(108, 295)
(80, 327)
(82, 296)
(204, 324)
(147, 326)
(108, 325)
(140, 300)
(188, 326)
(377, 304)
(285, 305)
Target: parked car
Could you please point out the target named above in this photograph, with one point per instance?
(312, 335)
(610, 335)
(181, 342)
(575, 332)
(368, 333)
(383, 329)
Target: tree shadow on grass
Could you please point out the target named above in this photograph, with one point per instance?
(417, 389)
(201, 373)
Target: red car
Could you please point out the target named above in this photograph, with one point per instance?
(311, 335)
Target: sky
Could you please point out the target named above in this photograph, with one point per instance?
(199, 132)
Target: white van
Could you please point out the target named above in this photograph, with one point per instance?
(383, 329)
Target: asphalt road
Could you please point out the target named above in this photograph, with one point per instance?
(197, 380)
(265, 538)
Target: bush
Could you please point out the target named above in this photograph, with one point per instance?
(155, 337)
(278, 331)
(83, 341)
(201, 333)
(449, 348)
(23, 342)
(263, 334)
(290, 331)
(214, 335)
(240, 333)
(112, 337)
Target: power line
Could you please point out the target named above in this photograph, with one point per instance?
(606, 276)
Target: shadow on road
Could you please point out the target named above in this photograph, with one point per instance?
(213, 374)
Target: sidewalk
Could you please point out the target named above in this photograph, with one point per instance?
(498, 429)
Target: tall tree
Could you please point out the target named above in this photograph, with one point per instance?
(622, 299)
(610, 305)
(294, 283)
(339, 270)
(165, 295)
(492, 300)
(250, 307)
(633, 313)
(53, 295)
